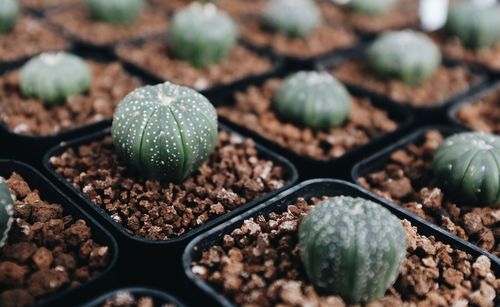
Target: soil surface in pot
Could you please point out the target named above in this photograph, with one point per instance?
(233, 7)
(127, 299)
(482, 115)
(407, 180)
(444, 84)
(258, 264)
(253, 110)
(42, 4)
(233, 176)
(77, 22)
(155, 58)
(29, 37)
(110, 83)
(47, 252)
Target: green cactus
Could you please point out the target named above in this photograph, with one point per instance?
(6, 211)
(371, 7)
(119, 12)
(9, 11)
(352, 247)
(202, 35)
(53, 77)
(408, 56)
(295, 18)
(475, 25)
(467, 167)
(313, 99)
(165, 131)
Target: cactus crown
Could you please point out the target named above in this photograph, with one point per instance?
(313, 99)
(165, 131)
(120, 12)
(352, 247)
(295, 18)
(9, 11)
(408, 56)
(371, 7)
(202, 34)
(6, 211)
(467, 167)
(53, 77)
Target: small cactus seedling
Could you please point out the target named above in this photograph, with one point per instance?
(475, 25)
(352, 247)
(371, 7)
(313, 99)
(53, 77)
(202, 35)
(408, 56)
(294, 18)
(165, 131)
(467, 167)
(119, 12)
(9, 10)
(6, 211)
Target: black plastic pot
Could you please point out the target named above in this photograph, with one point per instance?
(49, 192)
(160, 298)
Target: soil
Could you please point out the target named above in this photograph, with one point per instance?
(28, 38)
(407, 180)
(77, 22)
(444, 84)
(110, 84)
(127, 299)
(43, 4)
(483, 114)
(233, 176)
(233, 7)
(47, 251)
(258, 264)
(155, 58)
(253, 110)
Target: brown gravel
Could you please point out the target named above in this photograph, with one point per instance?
(43, 4)
(233, 7)
(253, 110)
(29, 37)
(154, 57)
(77, 22)
(47, 252)
(127, 299)
(233, 176)
(110, 84)
(483, 114)
(407, 180)
(444, 84)
(259, 264)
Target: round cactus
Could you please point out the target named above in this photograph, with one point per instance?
(202, 35)
(9, 10)
(352, 247)
(475, 25)
(313, 99)
(6, 211)
(165, 131)
(295, 18)
(408, 56)
(120, 12)
(371, 7)
(467, 167)
(53, 77)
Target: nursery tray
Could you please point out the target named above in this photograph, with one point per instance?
(160, 298)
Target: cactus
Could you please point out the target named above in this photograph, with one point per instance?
(6, 211)
(202, 35)
(313, 99)
(119, 12)
(53, 77)
(295, 18)
(467, 167)
(9, 10)
(408, 56)
(165, 131)
(475, 25)
(371, 7)
(352, 247)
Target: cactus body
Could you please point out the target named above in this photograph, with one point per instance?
(9, 10)
(467, 166)
(371, 7)
(295, 18)
(408, 56)
(120, 12)
(202, 35)
(6, 211)
(313, 99)
(352, 247)
(165, 131)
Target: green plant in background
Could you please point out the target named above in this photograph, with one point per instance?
(9, 11)
(294, 18)
(475, 25)
(371, 7)
(352, 247)
(313, 99)
(165, 131)
(467, 167)
(53, 77)
(119, 12)
(202, 35)
(408, 56)
(6, 211)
